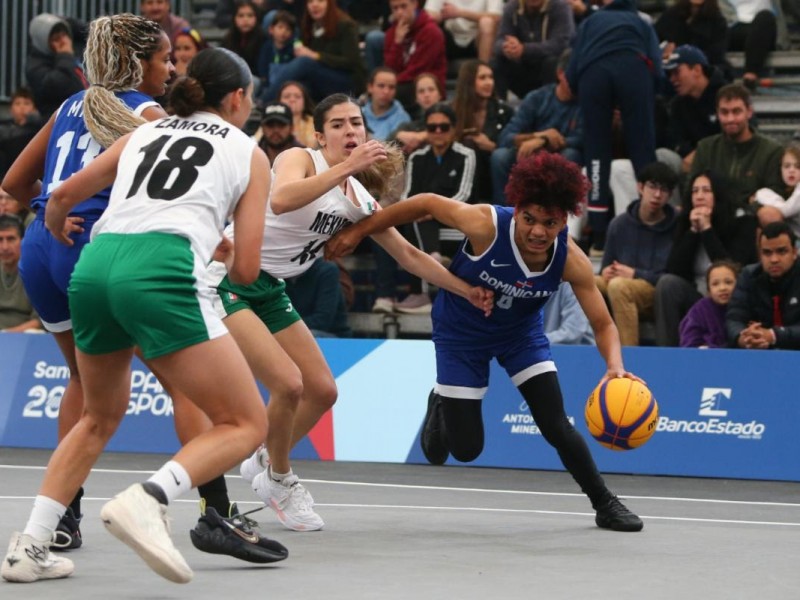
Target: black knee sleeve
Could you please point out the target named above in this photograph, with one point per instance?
(463, 423)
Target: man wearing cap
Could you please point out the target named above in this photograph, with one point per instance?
(693, 111)
(276, 130)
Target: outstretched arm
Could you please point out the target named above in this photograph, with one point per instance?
(428, 268)
(579, 274)
(474, 221)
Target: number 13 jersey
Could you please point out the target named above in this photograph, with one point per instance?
(182, 176)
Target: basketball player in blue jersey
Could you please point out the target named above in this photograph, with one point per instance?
(523, 253)
(127, 61)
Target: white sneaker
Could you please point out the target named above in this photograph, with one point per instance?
(290, 501)
(140, 521)
(30, 560)
(415, 304)
(383, 305)
(254, 464)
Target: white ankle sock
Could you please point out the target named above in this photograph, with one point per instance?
(45, 515)
(173, 479)
(279, 477)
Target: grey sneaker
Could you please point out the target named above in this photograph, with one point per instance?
(140, 521)
(29, 560)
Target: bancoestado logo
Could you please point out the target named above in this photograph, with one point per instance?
(147, 394)
(522, 422)
(717, 422)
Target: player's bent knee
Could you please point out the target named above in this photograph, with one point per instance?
(465, 451)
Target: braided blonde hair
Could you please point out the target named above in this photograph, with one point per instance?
(114, 50)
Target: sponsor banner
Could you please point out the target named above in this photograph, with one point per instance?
(722, 413)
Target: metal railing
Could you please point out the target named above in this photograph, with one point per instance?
(16, 14)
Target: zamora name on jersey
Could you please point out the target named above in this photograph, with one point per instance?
(197, 126)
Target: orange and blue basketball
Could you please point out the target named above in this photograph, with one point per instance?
(621, 414)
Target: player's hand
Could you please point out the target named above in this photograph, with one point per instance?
(365, 155)
(617, 372)
(60, 225)
(482, 299)
(343, 243)
(223, 251)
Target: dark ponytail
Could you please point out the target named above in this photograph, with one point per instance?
(212, 74)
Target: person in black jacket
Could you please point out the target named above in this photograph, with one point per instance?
(707, 231)
(764, 311)
(700, 24)
(53, 69)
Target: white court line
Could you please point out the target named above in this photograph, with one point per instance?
(530, 511)
(463, 489)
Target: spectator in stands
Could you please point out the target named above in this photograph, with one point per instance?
(187, 44)
(693, 110)
(19, 130)
(470, 26)
(704, 324)
(754, 30)
(276, 131)
(10, 206)
(223, 16)
(564, 321)
(16, 311)
(413, 135)
(764, 311)
(277, 49)
(443, 167)
(160, 11)
(707, 230)
(317, 295)
(745, 158)
(480, 118)
(295, 95)
(53, 68)
(414, 44)
(698, 23)
(635, 256)
(615, 62)
(776, 207)
(548, 119)
(245, 36)
(531, 37)
(327, 59)
(382, 112)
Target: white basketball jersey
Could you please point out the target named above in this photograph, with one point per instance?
(182, 176)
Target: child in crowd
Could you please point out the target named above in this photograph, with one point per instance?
(704, 324)
(187, 44)
(277, 49)
(775, 207)
(245, 37)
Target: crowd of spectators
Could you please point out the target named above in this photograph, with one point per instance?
(645, 103)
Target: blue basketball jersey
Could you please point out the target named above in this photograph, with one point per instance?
(519, 292)
(72, 147)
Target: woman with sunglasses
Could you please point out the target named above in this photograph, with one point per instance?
(445, 167)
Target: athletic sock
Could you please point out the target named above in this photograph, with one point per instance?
(173, 479)
(279, 477)
(45, 515)
(215, 493)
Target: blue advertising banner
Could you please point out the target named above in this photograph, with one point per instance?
(722, 413)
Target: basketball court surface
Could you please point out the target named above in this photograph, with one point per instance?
(413, 531)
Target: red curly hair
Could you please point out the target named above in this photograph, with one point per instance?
(547, 180)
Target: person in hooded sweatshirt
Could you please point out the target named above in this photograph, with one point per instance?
(616, 64)
(53, 69)
(636, 251)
